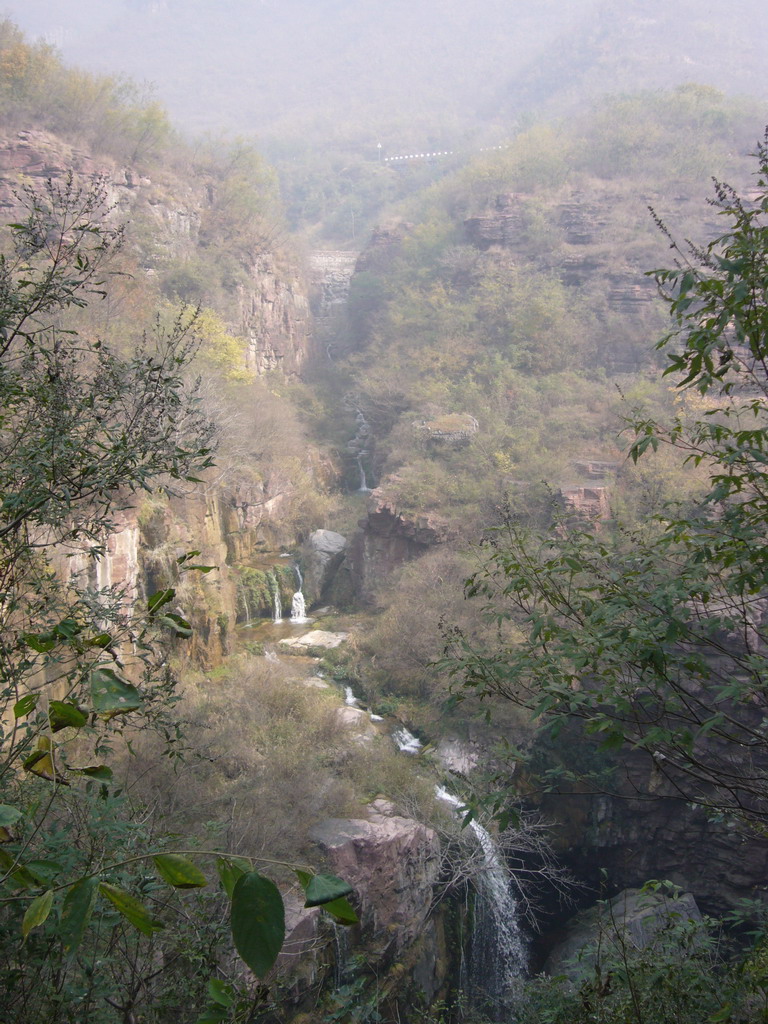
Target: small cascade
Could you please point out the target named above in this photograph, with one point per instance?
(277, 608)
(341, 955)
(247, 609)
(363, 488)
(361, 445)
(498, 957)
(406, 741)
(272, 657)
(298, 608)
(349, 698)
(298, 605)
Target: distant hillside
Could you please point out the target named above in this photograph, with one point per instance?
(637, 44)
(289, 67)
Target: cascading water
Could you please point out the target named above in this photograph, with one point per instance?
(364, 488)
(298, 608)
(298, 604)
(497, 957)
(349, 697)
(361, 445)
(277, 608)
(406, 741)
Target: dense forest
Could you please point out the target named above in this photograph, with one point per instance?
(382, 576)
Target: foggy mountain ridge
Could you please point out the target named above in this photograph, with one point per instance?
(642, 44)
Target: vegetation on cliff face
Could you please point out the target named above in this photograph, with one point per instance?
(652, 634)
(88, 872)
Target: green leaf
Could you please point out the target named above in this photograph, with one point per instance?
(63, 714)
(179, 625)
(8, 815)
(160, 598)
(179, 872)
(324, 889)
(230, 869)
(186, 557)
(37, 913)
(343, 911)
(213, 1015)
(44, 871)
(258, 921)
(101, 640)
(68, 628)
(40, 642)
(131, 909)
(26, 705)
(102, 772)
(220, 992)
(111, 695)
(76, 912)
(304, 877)
(18, 872)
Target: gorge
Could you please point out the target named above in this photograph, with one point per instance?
(319, 632)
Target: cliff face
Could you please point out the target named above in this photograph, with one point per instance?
(269, 306)
(234, 514)
(389, 537)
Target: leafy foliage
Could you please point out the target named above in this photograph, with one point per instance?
(654, 636)
(83, 665)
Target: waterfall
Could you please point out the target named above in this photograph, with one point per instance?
(498, 957)
(298, 608)
(406, 741)
(363, 479)
(298, 605)
(245, 605)
(277, 612)
(349, 698)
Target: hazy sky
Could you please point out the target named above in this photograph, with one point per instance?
(280, 65)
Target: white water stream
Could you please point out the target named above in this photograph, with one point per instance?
(406, 741)
(498, 954)
(277, 612)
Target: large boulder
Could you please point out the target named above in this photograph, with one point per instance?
(393, 863)
(321, 557)
(635, 919)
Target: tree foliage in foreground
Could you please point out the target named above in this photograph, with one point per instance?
(655, 636)
(90, 885)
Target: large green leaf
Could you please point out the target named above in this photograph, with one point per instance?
(76, 913)
(65, 713)
(131, 909)
(324, 889)
(37, 912)
(258, 921)
(111, 695)
(179, 872)
(26, 705)
(162, 597)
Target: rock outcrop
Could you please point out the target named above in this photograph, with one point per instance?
(271, 310)
(321, 557)
(634, 917)
(388, 537)
(393, 863)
